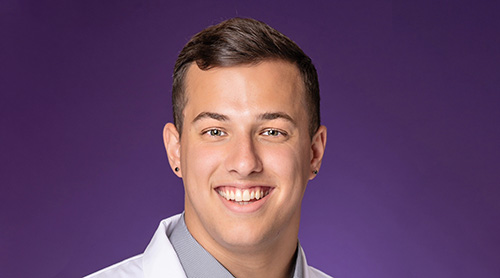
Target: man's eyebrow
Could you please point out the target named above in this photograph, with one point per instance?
(211, 115)
(276, 115)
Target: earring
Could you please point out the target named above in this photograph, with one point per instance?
(176, 169)
(315, 172)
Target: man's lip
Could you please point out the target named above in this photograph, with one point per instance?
(242, 186)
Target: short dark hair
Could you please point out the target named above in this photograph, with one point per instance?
(240, 41)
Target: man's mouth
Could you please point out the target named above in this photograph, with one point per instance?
(243, 196)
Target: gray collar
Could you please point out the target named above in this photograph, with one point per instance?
(197, 262)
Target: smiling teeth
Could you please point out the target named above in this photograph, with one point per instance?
(237, 196)
(246, 195)
(243, 197)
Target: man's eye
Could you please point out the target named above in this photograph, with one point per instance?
(273, 132)
(215, 132)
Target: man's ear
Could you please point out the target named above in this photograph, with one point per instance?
(172, 142)
(318, 144)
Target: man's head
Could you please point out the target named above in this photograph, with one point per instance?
(243, 95)
(241, 41)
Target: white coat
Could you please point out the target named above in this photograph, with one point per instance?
(159, 260)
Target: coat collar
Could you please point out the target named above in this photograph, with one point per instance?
(160, 259)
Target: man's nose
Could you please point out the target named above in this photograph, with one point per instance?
(243, 157)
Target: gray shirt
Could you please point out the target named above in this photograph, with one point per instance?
(198, 263)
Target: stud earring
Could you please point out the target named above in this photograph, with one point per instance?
(176, 169)
(315, 172)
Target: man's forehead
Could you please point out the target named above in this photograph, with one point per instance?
(276, 92)
(195, 76)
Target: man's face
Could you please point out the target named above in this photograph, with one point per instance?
(245, 154)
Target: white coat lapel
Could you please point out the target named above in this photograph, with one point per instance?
(160, 259)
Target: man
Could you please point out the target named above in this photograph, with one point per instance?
(246, 139)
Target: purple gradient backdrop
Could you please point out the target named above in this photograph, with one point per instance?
(410, 95)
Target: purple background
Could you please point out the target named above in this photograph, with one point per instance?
(410, 95)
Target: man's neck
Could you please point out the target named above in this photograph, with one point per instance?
(274, 258)
(272, 262)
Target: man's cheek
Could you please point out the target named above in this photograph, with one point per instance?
(204, 161)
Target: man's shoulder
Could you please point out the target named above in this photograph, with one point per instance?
(158, 252)
(131, 267)
(309, 271)
(316, 273)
